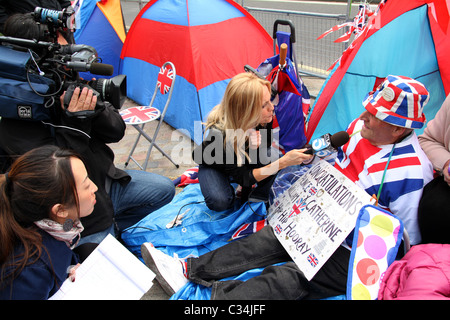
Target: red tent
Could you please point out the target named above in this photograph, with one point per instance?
(208, 41)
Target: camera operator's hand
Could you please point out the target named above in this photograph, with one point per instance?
(85, 100)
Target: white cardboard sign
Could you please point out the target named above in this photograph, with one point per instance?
(314, 216)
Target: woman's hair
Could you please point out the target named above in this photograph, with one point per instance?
(239, 110)
(37, 181)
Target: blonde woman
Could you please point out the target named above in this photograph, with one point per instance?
(238, 145)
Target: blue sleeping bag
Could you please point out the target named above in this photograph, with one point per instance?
(201, 229)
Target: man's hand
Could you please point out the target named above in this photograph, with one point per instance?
(82, 100)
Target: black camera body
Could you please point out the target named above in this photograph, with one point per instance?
(53, 64)
(58, 19)
(81, 58)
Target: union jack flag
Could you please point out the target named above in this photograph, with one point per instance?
(313, 191)
(313, 260)
(356, 26)
(165, 78)
(297, 207)
(278, 229)
(248, 228)
(188, 177)
(138, 115)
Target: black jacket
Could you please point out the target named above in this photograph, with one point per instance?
(103, 127)
(212, 153)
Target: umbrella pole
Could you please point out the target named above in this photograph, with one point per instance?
(283, 54)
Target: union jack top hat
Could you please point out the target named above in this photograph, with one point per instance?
(398, 101)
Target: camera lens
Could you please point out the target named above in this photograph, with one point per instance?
(113, 90)
(98, 85)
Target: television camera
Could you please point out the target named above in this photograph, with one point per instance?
(38, 62)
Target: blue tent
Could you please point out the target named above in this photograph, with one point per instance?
(100, 25)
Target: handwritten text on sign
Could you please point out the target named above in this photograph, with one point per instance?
(315, 215)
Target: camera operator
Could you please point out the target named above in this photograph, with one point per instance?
(83, 122)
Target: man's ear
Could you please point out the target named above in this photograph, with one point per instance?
(401, 132)
(398, 131)
(59, 211)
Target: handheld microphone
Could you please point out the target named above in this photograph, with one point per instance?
(327, 144)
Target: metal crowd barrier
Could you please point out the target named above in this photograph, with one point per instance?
(313, 56)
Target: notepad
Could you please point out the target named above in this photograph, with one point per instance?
(110, 272)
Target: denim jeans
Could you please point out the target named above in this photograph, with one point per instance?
(262, 250)
(145, 193)
(219, 194)
(216, 188)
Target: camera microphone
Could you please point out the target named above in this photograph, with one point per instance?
(101, 69)
(327, 144)
(94, 67)
(84, 58)
(73, 48)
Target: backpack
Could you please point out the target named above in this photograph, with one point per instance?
(19, 98)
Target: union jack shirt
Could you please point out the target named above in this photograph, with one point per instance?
(409, 170)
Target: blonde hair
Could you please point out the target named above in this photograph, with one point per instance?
(239, 110)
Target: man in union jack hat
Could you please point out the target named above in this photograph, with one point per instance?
(382, 156)
(399, 101)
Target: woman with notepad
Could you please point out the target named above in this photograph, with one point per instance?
(42, 199)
